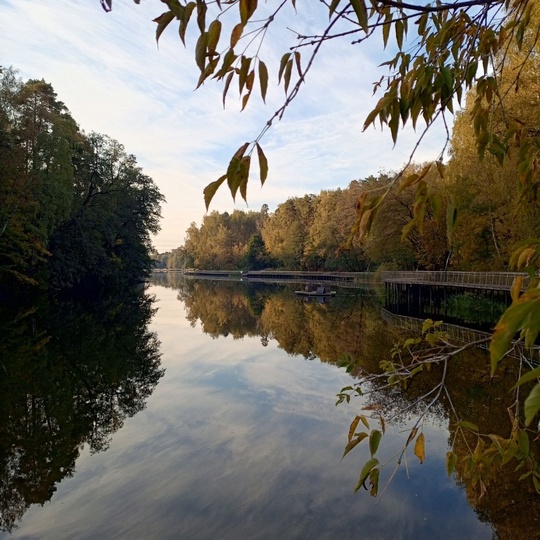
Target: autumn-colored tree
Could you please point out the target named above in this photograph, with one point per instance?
(221, 242)
(284, 233)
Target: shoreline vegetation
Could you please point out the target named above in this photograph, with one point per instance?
(76, 210)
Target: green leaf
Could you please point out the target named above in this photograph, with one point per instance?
(208, 70)
(333, 6)
(393, 124)
(244, 176)
(282, 64)
(287, 75)
(408, 181)
(515, 290)
(532, 404)
(359, 7)
(200, 50)
(523, 442)
(451, 459)
(398, 27)
(374, 440)
(386, 32)
(297, 59)
(366, 469)
(210, 190)
(201, 15)
(214, 32)
(228, 81)
(245, 63)
(468, 425)
(236, 170)
(447, 78)
(522, 313)
(186, 15)
(529, 376)
(374, 481)
(428, 324)
(536, 484)
(247, 8)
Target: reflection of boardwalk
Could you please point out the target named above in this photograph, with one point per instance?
(339, 279)
(213, 273)
(495, 281)
(457, 334)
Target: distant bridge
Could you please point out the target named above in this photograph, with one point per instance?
(339, 279)
(493, 281)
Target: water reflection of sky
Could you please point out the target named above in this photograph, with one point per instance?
(244, 442)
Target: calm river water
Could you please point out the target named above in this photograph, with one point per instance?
(238, 438)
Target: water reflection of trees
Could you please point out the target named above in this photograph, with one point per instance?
(509, 504)
(347, 325)
(350, 325)
(72, 372)
(495, 484)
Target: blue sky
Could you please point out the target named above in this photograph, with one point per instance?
(108, 70)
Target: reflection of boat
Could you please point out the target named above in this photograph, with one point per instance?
(312, 290)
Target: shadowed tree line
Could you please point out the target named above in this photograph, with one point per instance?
(75, 208)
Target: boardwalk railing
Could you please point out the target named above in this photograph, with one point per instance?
(495, 281)
(501, 281)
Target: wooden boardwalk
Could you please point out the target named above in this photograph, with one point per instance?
(493, 281)
(237, 274)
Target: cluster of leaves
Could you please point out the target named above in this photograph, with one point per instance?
(486, 453)
(522, 319)
(372, 467)
(455, 48)
(443, 50)
(484, 459)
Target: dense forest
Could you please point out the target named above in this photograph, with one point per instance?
(466, 214)
(313, 232)
(75, 209)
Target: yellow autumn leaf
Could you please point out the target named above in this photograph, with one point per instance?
(419, 448)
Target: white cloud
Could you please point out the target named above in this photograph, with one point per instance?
(114, 79)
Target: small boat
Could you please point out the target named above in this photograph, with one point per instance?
(311, 290)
